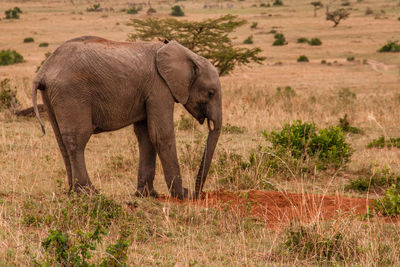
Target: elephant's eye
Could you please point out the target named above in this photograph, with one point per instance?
(211, 93)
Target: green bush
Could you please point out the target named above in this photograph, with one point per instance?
(382, 142)
(279, 39)
(389, 205)
(8, 96)
(302, 40)
(13, 13)
(249, 40)
(390, 46)
(9, 57)
(254, 25)
(302, 58)
(315, 41)
(277, 3)
(265, 5)
(303, 140)
(29, 40)
(44, 44)
(177, 11)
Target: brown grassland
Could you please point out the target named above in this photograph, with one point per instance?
(33, 189)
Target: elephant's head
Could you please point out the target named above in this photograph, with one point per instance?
(194, 82)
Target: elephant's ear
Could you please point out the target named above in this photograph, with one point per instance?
(176, 67)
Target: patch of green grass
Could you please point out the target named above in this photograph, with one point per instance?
(249, 40)
(44, 44)
(302, 40)
(232, 129)
(9, 57)
(389, 205)
(382, 142)
(381, 179)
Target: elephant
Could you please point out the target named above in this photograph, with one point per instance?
(91, 85)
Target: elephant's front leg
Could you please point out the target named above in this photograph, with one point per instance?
(161, 131)
(147, 161)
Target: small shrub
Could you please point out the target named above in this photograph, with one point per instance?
(369, 11)
(232, 129)
(151, 11)
(117, 254)
(265, 5)
(44, 44)
(315, 41)
(344, 124)
(29, 40)
(302, 40)
(382, 142)
(254, 25)
(9, 57)
(249, 40)
(94, 8)
(277, 3)
(177, 11)
(346, 4)
(133, 10)
(302, 58)
(389, 205)
(390, 46)
(279, 39)
(13, 13)
(351, 58)
(303, 140)
(323, 61)
(8, 96)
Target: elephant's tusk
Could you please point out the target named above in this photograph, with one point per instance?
(210, 125)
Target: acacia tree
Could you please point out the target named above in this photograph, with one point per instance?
(337, 15)
(317, 5)
(208, 38)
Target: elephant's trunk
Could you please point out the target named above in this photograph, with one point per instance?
(213, 135)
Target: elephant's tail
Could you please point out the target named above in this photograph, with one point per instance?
(37, 85)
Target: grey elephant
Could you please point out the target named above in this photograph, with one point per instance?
(91, 85)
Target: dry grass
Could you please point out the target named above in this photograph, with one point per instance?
(32, 175)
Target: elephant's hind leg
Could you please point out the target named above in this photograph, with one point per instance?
(147, 161)
(75, 126)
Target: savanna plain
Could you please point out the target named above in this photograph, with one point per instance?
(261, 206)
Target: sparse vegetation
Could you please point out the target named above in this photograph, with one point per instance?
(29, 40)
(133, 10)
(315, 41)
(9, 57)
(351, 58)
(177, 11)
(302, 58)
(380, 179)
(13, 13)
(254, 25)
(248, 40)
(389, 205)
(209, 38)
(279, 39)
(302, 40)
(44, 44)
(383, 142)
(344, 124)
(8, 96)
(390, 46)
(277, 3)
(94, 8)
(337, 15)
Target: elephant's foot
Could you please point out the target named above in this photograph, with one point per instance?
(84, 189)
(146, 193)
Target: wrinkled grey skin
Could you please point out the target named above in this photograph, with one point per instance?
(92, 85)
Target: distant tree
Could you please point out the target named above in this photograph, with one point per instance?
(317, 5)
(337, 15)
(208, 38)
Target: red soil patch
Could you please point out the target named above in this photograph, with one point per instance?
(276, 208)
